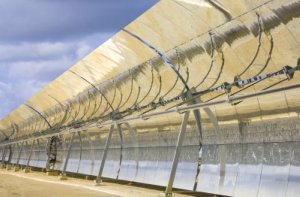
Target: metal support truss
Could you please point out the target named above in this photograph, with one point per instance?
(2, 165)
(3, 154)
(63, 173)
(29, 157)
(11, 152)
(107, 143)
(180, 139)
(19, 154)
(203, 106)
(120, 131)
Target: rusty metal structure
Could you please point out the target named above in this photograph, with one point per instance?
(201, 95)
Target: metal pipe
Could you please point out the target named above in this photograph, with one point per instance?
(173, 110)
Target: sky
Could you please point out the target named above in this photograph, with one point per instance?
(40, 39)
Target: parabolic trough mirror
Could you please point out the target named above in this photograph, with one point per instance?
(196, 95)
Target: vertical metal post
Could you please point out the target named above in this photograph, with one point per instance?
(63, 173)
(107, 143)
(19, 154)
(120, 131)
(180, 139)
(3, 154)
(80, 153)
(12, 150)
(26, 170)
(2, 165)
(3, 158)
(197, 115)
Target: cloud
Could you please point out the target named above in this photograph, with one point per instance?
(36, 20)
(41, 39)
(30, 51)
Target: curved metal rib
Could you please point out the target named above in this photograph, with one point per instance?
(97, 89)
(162, 56)
(40, 114)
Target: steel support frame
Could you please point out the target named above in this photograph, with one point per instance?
(183, 127)
(19, 156)
(2, 164)
(27, 169)
(3, 157)
(203, 106)
(63, 173)
(12, 149)
(107, 143)
(120, 131)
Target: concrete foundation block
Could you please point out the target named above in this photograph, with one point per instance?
(27, 170)
(52, 173)
(97, 182)
(8, 167)
(2, 166)
(63, 177)
(16, 168)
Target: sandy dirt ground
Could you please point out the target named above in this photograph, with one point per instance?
(37, 184)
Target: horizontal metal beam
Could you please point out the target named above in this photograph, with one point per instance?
(159, 113)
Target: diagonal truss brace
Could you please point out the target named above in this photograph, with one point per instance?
(107, 143)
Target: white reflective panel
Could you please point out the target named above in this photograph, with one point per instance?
(86, 164)
(227, 183)
(73, 162)
(250, 168)
(129, 165)
(112, 164)
(147, 165)
(15, 153)
(187, 168)
(293, 188)
(209, 177)
(275, 171)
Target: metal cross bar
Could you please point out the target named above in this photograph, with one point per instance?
(107, 143)
(177, 152)
(63, 173)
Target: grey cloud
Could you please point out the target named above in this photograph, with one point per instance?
(35, 20)
(40, 39)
